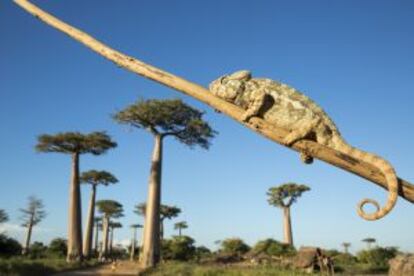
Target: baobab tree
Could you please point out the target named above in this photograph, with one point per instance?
(163, 118)
(166, 212)
(31, 216)
(93, 178)
(180, 226)
(112, 226)
(75, 144)
(346, 246)
(134, 228)
(284, 196)
(98, 226)
(109, 209)
(3, 216)
(369, 241)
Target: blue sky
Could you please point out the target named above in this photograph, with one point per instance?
(354, 58)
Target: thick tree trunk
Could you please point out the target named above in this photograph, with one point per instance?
(133, 241)
(151, 246)
(111, 243)
(287, 226)
(96, 237)
(256, 124)
(26, 247)
(105, 238)
(161, 229)
(87, 242)
(179, 232)
(75, 214)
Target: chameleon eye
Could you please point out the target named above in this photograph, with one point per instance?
(223, 80)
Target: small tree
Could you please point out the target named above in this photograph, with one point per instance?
(346, 246)
(109, 209)
(234, 246)
(369, 241)
(93, 178)
(166, 212)
(180, 226)
(133, 240)
(272, 247)
(284, 196)
(9, 247)
(178, 248)
(3, 216)
(75, 144)
(163, 118)
(31, 216)
(58, 247)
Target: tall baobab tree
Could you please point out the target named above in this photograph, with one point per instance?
(134, 228)
(369, 241)
(75, 144)
(163, 118)
(94, 178)
(346, 246)
(179, 226)
(3, 216)
(284, 196)
(109, 209)
(31, 216)
(98, 226)
(166, 212)
(112, 226)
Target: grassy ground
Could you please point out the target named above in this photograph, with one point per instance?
(184, 269)
(22, 267)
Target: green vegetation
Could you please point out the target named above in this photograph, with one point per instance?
(176, 268)
(39, 267)
(272, 247)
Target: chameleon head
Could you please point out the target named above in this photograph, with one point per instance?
(228, 87)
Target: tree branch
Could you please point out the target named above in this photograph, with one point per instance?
(258, 125)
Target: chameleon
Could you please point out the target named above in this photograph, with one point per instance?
(285, 107)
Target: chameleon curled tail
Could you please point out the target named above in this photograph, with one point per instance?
(386, 169)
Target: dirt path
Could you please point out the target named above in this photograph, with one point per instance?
(121, 268)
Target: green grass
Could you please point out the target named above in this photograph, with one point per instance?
(188, 269)
(19, 266)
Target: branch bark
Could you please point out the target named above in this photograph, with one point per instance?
(406, 189)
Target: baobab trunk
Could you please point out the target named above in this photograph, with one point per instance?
(111, 241)
(161, 229)
(96, 237)
(87, 242)
(134, 233)
(105, 236)
(75, 215)
(287, 226)
(179, 232)
(28, 236)
(151, 243)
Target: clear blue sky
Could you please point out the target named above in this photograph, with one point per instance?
(355, 58)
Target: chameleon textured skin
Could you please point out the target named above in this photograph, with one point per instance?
(287, 108)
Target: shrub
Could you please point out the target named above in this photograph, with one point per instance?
(178, 248)
(9, 246)
(37, 250)
(378, 256)
(234, 246)
(272, 247)
(57, 248)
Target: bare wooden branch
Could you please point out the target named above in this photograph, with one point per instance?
(258, 125)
